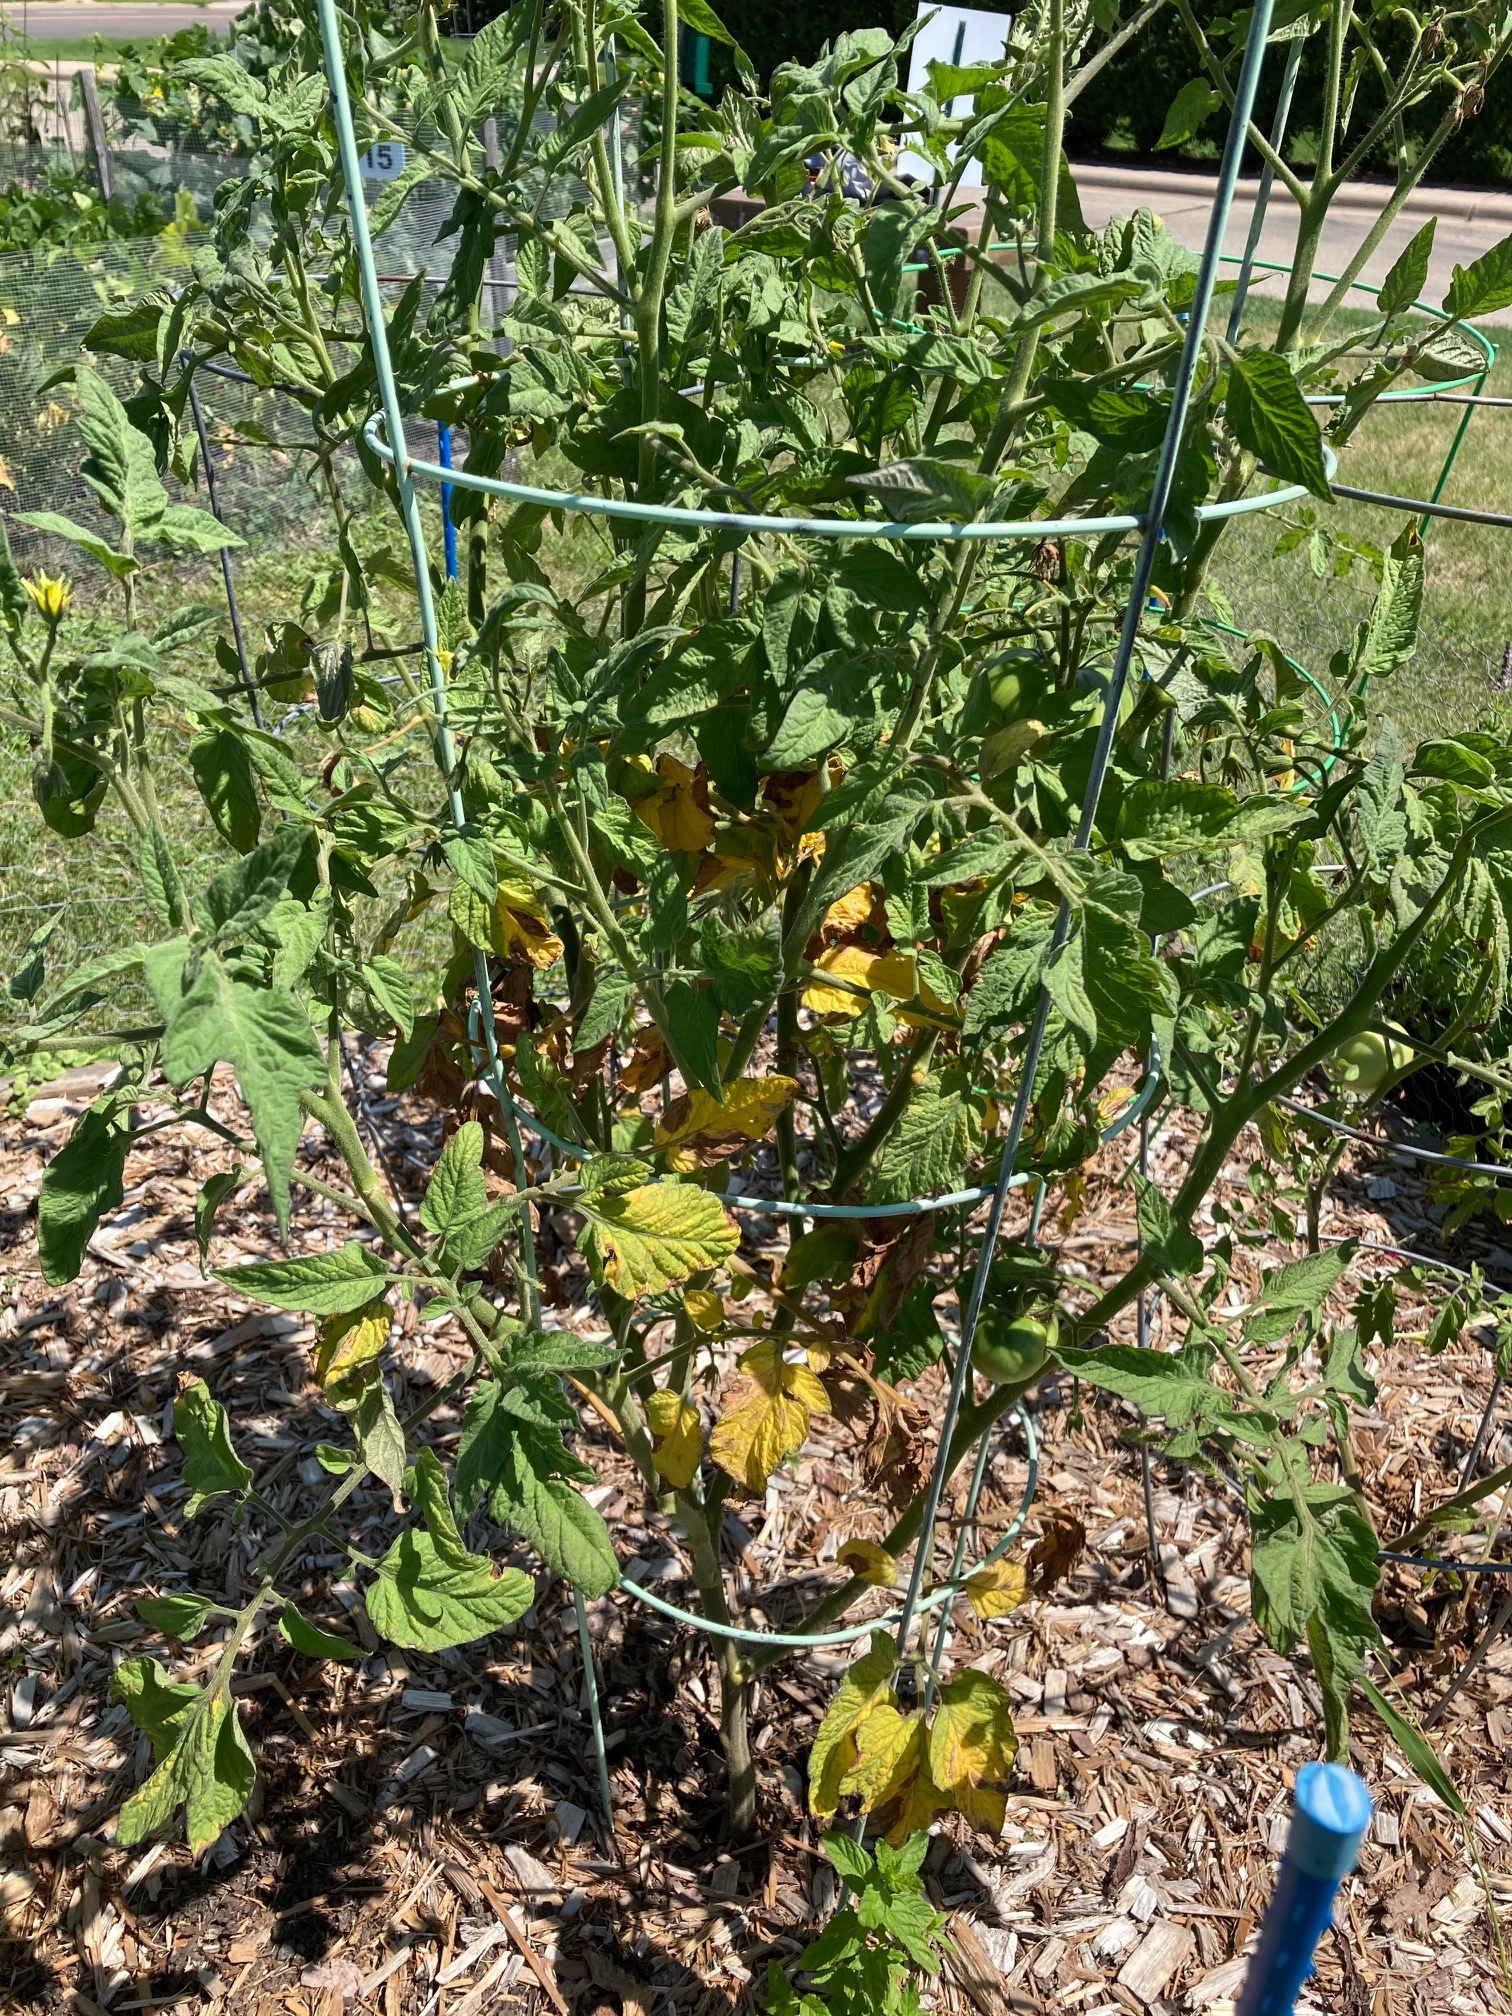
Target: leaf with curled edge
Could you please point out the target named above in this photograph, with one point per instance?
(651, 1237)
(773, 1420)
(676, 1438)
(833, 1755)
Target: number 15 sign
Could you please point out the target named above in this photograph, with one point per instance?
(383, 161)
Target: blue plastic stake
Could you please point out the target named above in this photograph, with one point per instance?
(1329, 1819)
(443, 456)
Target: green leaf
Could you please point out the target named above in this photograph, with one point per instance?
(1172, 1248)
(210, 1771)
(693, 1033)
(212, 1194)
(557, 1521)
(1180, 815)
(120, 467)
(648, 1238)
(1177, 1385)
(175, 1616)
(1271, 419)
(1303, 1284)
(1484, 286)
(1388, 638)
(429, 1604)
(1414, 1746)
(427, 1489)
(265, 1035)
(243, 893)
(470, 857)
(212, 1467)
(927, 1153)
(58, 527)
(1192, 106)
(369, 1406)
(157, 1705)
(1409, 273)
(81, 1183)
(457, 1192)
(160, 879)
(321, 1284)
(311, 1640)
(388, 982)
(228, 784)
(186, 530)
(1314, 1559)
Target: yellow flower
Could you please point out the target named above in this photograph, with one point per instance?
(51, 597)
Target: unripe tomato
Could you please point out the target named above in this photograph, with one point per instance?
(1018, 685)
(1363, 1063)
(1009, 1350)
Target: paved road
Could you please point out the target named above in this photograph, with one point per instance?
(1470, 222)
(64, 20)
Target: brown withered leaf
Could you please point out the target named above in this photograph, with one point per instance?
(896, 1456)
(650, 1060)
(1057, 1550)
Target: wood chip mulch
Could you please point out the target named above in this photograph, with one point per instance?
(425, 1838)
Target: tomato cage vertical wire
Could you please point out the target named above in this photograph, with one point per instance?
(441, 736)
(1144, 568)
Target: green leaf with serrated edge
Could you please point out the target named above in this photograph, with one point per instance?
(246, 890)
(175, 1616)
(228, 784)
(335, 1461)
(429, 1605)
(157, 1704)
(388, 983)
(693, 1031)
(320, 1284)
(367, 1404)
(1171, 1248)
(647, 1239)
(185, 530)
(311, 1640)
(554, 1351)
(1273, 421)
(82, 1182)
(558, 1522)
(209, 1771)
(120, 467)
(160, 882)
(611, 996)
(833, 1754)
(1316, 1559)
(457, 1192)
(1304, 1283)
(468, 1247)
(202, 1430)
(425, 1485)
(1414, 1746)
(1484, 286)
(1409, 273)
(1177, 1385)
(927, 1153)
(213, 1192)
(1192, 106)
(1387, 639)
(58, 527)
(265, 1036)
(470, 857)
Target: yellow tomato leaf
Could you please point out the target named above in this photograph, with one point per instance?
(677, 811)
(697, 1129)
(676, 1438)
(850, 911)
(890, 1753)
(972, 1747)
(995, 1591)
(890, 973)
(871, 1563)
(754, 1437)
(651, 1237)
(350, 1341)
(705, 1308)
(834, 1752)
(522, 920)
(773, 1421)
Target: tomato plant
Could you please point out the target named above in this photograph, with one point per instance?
(750, 864)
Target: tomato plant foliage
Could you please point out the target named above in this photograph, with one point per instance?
(745, 853)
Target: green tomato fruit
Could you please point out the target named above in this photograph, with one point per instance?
(1009, 1350)
(1018, 686)
(1363, 1063)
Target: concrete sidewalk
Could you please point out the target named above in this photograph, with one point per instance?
(1470, 221)
(69, 20)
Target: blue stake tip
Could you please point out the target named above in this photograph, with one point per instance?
(1333, 1810)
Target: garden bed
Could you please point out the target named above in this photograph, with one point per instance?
(426, 1833)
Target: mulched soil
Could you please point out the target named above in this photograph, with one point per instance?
(425, 1838)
